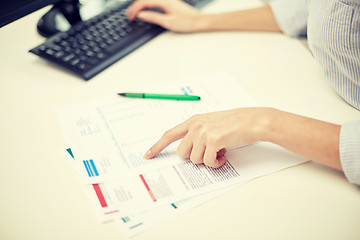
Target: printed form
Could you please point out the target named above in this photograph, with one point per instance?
(110, 136)
(132, 224)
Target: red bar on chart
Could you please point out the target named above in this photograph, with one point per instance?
(100, 195)
(148, 188)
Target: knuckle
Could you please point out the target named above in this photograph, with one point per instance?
(195, 118)
(168, 134)
(199, 126)
(213, 140)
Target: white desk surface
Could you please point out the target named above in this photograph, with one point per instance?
(43, 198)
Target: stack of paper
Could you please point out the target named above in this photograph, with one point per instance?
(108, 138)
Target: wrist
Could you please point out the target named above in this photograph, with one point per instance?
(265, 125)
(204, 22)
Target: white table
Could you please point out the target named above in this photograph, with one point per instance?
(43, 198)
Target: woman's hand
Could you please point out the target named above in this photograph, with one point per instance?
(177, 15)
(206, 136)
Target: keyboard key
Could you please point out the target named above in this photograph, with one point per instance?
(91, 46)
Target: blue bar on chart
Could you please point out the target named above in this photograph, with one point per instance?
(91, 168)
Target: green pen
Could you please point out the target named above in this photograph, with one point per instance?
(181, 97)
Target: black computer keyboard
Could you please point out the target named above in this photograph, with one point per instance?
(89, 47)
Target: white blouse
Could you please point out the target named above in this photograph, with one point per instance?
(333, 31)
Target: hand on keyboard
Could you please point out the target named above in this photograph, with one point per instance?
(176, 15)
(91, 46)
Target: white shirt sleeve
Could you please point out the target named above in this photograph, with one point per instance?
(350, 151)
(291, 16)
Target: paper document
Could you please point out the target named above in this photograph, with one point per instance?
(133, 224)
(115, 132)
(109, 136)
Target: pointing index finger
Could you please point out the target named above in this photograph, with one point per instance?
(166, 139)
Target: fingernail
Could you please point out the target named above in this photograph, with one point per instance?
(148, 154)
